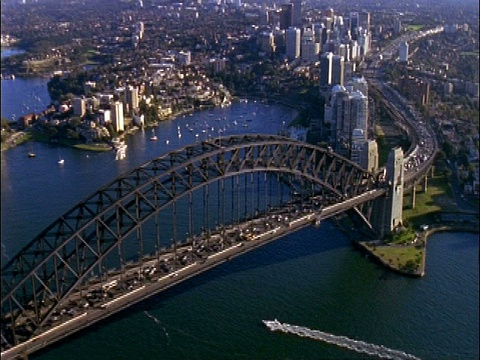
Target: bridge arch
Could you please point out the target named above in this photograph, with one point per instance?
(56, 262)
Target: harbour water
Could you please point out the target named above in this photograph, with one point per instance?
(313, 278)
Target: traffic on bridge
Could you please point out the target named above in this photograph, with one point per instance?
(138, 235)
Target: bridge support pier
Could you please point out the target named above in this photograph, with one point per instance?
(432, 170)
(425, 183)
(414, 194)
(388, 212)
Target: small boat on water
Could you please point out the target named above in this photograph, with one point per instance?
(61, 161)
(31, 153)
(153, 137)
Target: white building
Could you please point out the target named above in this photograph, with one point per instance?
(117, 116)
(104, 117)
(364, 40)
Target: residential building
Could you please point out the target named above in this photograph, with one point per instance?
(79, 106)
(118, 119)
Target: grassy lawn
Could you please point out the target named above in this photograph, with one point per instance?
(399, 257)
(93, 147)
(404, 237)
(417, 27)
(428, 205)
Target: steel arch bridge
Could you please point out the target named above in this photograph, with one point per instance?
(78, 245)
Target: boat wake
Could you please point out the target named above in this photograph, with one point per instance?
(158, 323)
(341, 341)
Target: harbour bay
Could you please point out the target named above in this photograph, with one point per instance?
(311, 278)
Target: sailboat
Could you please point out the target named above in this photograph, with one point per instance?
(153, 137)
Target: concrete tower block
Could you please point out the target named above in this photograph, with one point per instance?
(388, 210)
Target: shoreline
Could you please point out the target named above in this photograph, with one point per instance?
(12, 141)
(420, 242)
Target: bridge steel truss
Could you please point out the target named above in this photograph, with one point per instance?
(56, 262)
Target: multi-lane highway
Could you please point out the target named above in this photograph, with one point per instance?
(424, 143)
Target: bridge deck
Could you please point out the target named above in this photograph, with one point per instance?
(141, 281)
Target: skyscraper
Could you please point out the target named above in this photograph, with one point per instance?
(297, 12)
(266, 42)
(117, 116)
(397, 25)
(338, 70)
(344, 50)
(354, 24)
(364, 20)
(359, 110)
(286, 16)
(326, 61)
(349, 113)
(131, 98)
(342, 121)
(292, 42)
(403, 51)
(309, 48)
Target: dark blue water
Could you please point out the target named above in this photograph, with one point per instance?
(312, 278)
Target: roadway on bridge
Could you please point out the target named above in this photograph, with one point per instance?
(105, 297)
